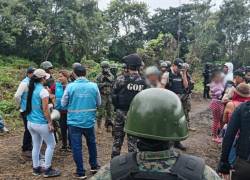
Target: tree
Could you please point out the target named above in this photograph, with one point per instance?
(162, 48)
(126, 20)
(234, 23)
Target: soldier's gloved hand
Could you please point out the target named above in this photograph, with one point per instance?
(224, 167)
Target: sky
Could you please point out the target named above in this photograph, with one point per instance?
(154, 4)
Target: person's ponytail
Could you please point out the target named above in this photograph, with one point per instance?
(30, 93)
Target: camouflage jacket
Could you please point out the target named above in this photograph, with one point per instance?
(105, 83)
(160, 161)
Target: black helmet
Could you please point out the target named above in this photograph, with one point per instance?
(132, 60)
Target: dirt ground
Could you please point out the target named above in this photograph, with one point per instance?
(14, 167)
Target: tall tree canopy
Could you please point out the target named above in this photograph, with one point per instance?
(70, 30)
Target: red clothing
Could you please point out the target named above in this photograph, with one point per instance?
(217, 108)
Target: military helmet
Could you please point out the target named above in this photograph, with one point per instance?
(105, 64)
(152, 70)
(46, 65)
(157, 114)
(124, 66)
(76, 64)
(132, 60)
(164, 64)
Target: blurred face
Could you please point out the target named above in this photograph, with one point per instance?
(62, 79)
(153, 79)
(217, 78)
(163, 69)
(225, 69)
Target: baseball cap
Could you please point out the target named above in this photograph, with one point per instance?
(30, 70)
(40, 73)
(178, 62)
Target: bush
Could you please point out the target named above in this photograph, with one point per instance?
(7, 107)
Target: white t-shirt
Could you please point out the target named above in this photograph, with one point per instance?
(44, 93)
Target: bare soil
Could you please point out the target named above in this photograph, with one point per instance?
(14, 167)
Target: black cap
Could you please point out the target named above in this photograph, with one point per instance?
(178, 62)
(240, 73)
(80, 71)
(30, 70)
(133, 60)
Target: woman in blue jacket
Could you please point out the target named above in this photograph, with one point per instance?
(59, 90)
(40, 123)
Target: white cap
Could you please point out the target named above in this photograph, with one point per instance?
(40, 73)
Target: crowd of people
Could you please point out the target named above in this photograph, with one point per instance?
(230, 94)
(150, 105)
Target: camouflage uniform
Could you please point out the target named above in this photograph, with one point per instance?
(105, 86)
(160, 161)
(118, 131)
(186, 103)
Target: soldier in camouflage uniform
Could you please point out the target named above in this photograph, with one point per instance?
(125, 88)
(105, 80)
(156, 159)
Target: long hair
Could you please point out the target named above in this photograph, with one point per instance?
(32, 82)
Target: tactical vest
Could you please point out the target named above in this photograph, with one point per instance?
(131, 87)
(175, 83)
(186, 168)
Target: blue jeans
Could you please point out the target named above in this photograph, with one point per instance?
(76, 145)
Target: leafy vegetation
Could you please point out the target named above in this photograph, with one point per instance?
(68, 31)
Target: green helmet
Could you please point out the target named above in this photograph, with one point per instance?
(105, 64)
(113, 66)
(46, 65)
(157, 114)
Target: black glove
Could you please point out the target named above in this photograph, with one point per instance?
(224, 167)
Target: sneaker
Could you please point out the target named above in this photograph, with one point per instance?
(94, 170)
(37, 171)
(77, 176)
(5, 130)
(51, 173)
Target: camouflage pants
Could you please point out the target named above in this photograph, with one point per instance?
(186, 104)
(119, 135)
(105, 111)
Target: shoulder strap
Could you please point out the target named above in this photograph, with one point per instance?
(122, 166)
(189, 167)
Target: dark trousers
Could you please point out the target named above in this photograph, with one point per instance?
(206, 91)
(76, 134)
(64, 130)
(27, 140)
(242, 170)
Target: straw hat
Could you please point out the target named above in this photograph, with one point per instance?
(243, 90)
